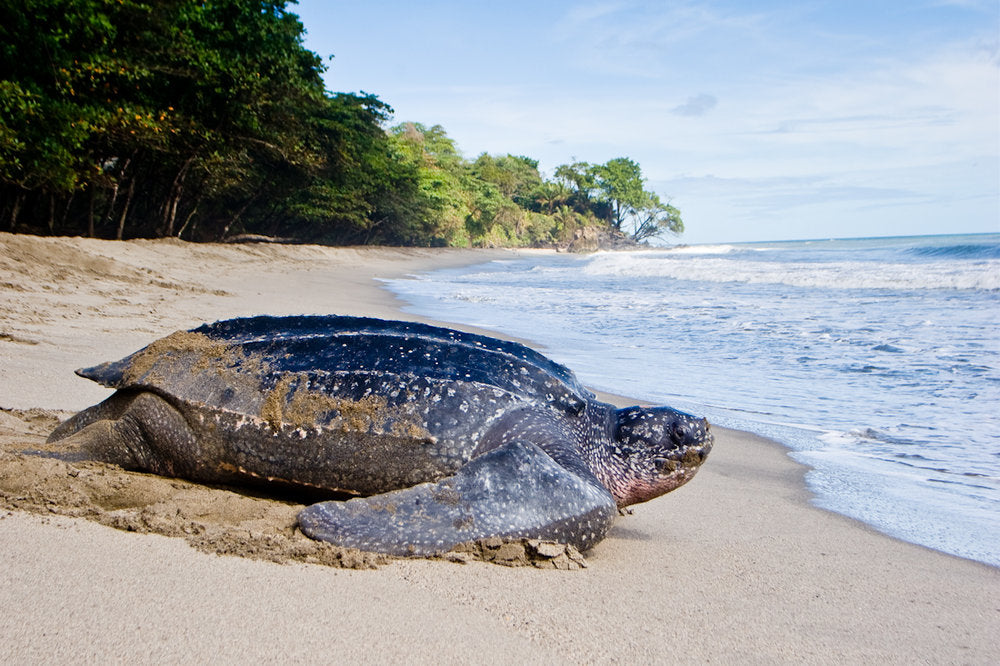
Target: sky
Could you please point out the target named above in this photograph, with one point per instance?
(758, 120)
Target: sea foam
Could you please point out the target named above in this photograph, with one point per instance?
(844, 274)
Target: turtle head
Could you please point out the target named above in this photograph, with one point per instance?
(654, 451)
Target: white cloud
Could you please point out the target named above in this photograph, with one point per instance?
(697, 105)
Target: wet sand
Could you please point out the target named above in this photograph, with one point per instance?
(99, 563)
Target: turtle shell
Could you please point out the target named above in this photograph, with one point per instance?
(304, 370)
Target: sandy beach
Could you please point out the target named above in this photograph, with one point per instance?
(100, 564)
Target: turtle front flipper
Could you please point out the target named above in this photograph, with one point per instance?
(513, 491)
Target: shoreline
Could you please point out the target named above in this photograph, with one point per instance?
(688, 577)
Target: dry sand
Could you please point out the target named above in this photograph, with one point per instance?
(735, 567)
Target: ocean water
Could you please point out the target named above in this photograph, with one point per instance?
(876, 361)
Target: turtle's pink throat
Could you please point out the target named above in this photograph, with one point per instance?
(643, 490)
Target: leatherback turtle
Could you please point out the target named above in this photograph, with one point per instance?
(446, 437)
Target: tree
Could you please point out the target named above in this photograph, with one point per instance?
(655, 218)
(578, 176)
(620, 182)
(341, 195)
(159, 111)
(550, 195)
(46, 117)
(443, 194)
(516, 177)
(204, 119)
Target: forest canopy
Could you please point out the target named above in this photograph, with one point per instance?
(208, 119)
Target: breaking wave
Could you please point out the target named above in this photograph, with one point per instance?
(837, 274)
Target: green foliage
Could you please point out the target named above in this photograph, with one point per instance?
(208, 118)
(620, 182)
(655, 218)
(580, 177)
(516, 178)
(632, 208)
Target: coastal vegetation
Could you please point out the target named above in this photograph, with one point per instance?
(209, 120)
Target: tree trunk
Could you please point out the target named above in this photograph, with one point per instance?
(187, 220)
(176, 191)
(69, 202)
(111, 204)
(114, 193)
(171, 212)
(235, 218)
(15, 210)
(128, 201)
(371, 230)
(90, 213)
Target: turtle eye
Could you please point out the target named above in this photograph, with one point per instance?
(681, 432)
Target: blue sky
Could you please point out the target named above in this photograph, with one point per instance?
(758, 120)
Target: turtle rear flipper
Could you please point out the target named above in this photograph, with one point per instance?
(109, 410)
(513, 491)
(133, 429)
